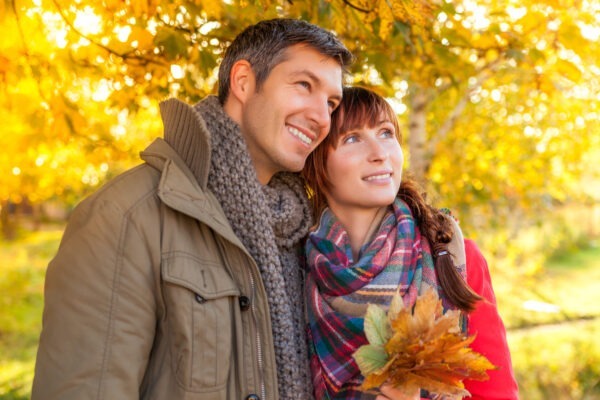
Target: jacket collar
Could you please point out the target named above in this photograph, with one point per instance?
(180, 190)
(186, 133)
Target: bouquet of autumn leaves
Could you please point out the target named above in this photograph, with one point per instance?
(423, 348)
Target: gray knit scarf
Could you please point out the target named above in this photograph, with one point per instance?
(270, 221)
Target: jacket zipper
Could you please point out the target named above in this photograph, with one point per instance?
(259, 353)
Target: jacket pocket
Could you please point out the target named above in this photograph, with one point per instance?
(200, 297)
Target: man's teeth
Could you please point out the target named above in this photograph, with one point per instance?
(377, 177)
(299, 135)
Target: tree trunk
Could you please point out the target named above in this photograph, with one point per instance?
(419, 158)
(9, 231)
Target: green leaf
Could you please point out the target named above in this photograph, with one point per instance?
(377, 328)
(173, 43)
(370, 358)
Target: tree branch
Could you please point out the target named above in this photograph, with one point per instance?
(26, 48)
(126, 56)
(348, 3)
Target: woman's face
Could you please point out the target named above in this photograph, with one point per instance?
(365, 169)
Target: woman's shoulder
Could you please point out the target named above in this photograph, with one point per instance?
(472, 251)
(478, 273)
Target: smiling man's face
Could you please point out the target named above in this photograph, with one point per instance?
(290, 114)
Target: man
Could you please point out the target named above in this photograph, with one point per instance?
(179, 279)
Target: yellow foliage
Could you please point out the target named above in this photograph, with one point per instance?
(426, 349)
(484, 40)
(386, 20)
(112, 5)
(144, 39)
(143, 8)
(50, 78)
(212, 8)
(569, 70)
(491, 55)
(533, 20)
(413, 12)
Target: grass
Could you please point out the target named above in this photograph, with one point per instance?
(22, 269)
(573, 279)
(570, 280)
(559, 362)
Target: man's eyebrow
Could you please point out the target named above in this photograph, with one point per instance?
(314, 78)
(310, 74)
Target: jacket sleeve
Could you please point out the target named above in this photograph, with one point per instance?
(99, 314)
(486, 323)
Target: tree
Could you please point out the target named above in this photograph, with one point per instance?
(499, 101)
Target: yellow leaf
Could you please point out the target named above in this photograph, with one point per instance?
(112, 5)
(427, 350)
(212, 8)
(568, 70)
(145, 40)
(386, 20)
(484, 40)
(426, 310)
(399, 11)
(139, 7)
(396, 305)
(413, 12)
(533, 20)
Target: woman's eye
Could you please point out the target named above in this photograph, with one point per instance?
(350, 139)
(304, 84)
(388, 133)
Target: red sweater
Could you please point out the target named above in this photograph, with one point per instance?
(491, 334)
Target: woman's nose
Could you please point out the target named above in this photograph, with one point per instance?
(377, 150)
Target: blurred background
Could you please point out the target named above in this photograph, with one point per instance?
(499, 103)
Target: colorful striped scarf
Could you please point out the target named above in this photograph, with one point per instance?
(339, 289)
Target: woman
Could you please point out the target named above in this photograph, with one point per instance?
(377, 235)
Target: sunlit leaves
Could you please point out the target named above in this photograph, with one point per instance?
(511, 89)
(568, 69)
(141, 38)
(171, 42)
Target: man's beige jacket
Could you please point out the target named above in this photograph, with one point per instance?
(152, 296)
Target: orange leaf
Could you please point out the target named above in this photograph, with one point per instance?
(428, 350)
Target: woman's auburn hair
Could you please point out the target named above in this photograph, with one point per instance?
(360, 107)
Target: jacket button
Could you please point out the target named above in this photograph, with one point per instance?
(244, 304)
(252, 397)
(200, 299)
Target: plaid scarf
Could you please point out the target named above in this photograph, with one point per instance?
(339, 289)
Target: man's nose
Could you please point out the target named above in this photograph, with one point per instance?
(320, 114)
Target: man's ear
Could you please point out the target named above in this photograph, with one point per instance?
(241, 80)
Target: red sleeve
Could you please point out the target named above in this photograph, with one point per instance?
(486, 323)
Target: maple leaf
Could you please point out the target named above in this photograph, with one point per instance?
(419, 348)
